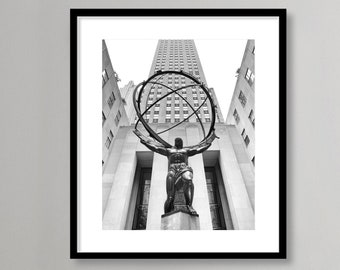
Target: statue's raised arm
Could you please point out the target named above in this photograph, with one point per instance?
(151, 144)
(200, 148)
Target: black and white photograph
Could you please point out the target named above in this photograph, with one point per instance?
(178, 160)
(174, 154)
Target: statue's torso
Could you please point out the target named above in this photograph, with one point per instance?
(178, 161)
(178, 156)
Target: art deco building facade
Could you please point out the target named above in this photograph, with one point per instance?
(113, 111)
(178, 55)
(242, 107)
(134, 186)
(127, 93)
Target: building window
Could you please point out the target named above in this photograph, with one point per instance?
(245, 137)
(109, 140)
(242, 98)
(253, 160)
(246, 140)
(176, 112)
(142, 200)
(251, 118)
(168, 120)
(155, 120)
(243, 134)
(207, 119)
(176, 120)
(176, 104)
(111, 100)
(118, 116)
(250, 77)
(103, 118)
(105, 77)
(216, 208)
(218, 118)
(236, 116)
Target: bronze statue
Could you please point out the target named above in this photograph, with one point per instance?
(180, 174)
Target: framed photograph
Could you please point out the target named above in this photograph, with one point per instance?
(170, 170)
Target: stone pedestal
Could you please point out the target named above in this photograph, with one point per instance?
(180, 220)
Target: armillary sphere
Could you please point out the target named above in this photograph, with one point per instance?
(157, 80)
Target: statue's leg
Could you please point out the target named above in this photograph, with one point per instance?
(170, 190)
(189, 190)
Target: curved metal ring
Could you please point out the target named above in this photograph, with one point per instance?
(137, 101)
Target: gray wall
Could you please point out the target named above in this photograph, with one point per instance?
(34, 151)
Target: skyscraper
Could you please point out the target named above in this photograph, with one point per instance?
(113, 111)
(242, 106)
(178, 55)
(127, 92)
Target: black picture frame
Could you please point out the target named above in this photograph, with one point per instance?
(74, 15)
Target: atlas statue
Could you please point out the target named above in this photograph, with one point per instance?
(180, 174)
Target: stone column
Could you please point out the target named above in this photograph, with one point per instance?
(239, 203)
(157, 195)
(119, 198)
(201, 200)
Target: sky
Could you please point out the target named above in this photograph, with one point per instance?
(220, 59)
